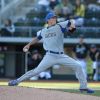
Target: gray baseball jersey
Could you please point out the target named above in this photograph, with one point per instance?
(53, 37)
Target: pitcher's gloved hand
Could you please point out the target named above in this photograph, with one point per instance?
(71, 26)
(72, 30)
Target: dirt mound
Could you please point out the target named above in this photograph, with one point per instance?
(24, 93)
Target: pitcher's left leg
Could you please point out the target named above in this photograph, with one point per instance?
(70, 62)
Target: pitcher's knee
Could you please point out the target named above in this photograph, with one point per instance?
(37, 71)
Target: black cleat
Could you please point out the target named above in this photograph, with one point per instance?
(87, 90)
(13, 83)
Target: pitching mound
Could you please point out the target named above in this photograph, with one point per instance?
(24, 93)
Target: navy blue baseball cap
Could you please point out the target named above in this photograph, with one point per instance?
(49, 16)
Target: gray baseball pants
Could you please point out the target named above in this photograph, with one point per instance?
(51, 59)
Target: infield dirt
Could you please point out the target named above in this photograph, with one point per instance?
(24, 93)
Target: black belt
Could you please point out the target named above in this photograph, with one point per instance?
(54, 52)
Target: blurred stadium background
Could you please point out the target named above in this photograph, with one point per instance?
(28, 16)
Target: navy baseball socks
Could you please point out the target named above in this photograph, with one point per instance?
(13, 83)
(87, 90)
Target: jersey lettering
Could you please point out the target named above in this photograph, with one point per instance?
(50, 35)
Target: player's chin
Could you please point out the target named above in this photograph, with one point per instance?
(72, 30)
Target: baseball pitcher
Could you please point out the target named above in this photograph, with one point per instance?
(52, 37)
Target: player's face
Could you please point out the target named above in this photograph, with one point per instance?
(52, 21)
(93, 49)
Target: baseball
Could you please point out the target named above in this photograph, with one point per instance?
(25, 50)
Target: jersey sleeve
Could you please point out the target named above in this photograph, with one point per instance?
(39, 34)
(67, 23)
(64, 24)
